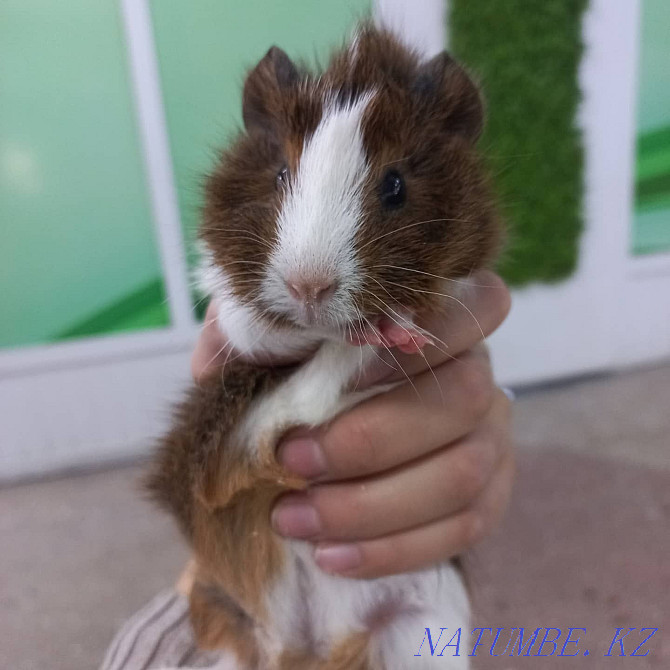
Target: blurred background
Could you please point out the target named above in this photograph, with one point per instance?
(110, 113)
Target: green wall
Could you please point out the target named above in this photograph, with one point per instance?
(75, 224)
(651, 226)
(204, 49)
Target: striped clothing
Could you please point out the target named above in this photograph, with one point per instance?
(160, 636)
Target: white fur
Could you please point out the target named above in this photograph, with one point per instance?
(249, 335)
(330, 608)
(321, 213)
(311, 396)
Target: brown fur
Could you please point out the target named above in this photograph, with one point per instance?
(219, 497)
(424, 120)
(349, 654)
(219, 623)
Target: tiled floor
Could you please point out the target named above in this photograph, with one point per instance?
(585, 544)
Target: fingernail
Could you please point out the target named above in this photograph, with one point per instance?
(303, 456)
(296, 517)
(338, 558)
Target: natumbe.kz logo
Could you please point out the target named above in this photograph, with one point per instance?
(540, 642)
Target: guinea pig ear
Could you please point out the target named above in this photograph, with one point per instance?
(454, 95)
(261, 98)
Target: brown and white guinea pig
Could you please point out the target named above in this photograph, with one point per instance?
(350, 200)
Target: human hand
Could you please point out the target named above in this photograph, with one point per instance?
(411, 477)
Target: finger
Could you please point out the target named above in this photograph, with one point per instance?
(402, 552)
(210, 349)
(438, 485)
(422, 546)
(406, 423)
(467, 318)
(433, 487)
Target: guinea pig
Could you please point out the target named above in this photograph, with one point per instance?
(352, 201)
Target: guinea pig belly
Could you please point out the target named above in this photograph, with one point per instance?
(334, 623)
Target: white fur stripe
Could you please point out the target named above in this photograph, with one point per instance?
(323, 208)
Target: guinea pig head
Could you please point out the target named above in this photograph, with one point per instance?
(355, 193)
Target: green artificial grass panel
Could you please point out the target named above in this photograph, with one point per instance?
(652, 186)
(140, 310)
(526, 55)
(651, 229)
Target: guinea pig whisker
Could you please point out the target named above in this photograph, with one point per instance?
(362, 337)
(439, 386)
(247, 234)
(243, 262)
(383, 288)
(228, 360)
(409, 225)
(428, 274)
(398, 160)
(446, 295)
(385, 362)
(196, 285)
(423, 331)
(209, 322)
(259, 240)
(419, 349)
(360, 366)
(399, 368)
(435, 338)
(211, 360)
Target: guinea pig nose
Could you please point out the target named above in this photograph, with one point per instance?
(311, 292)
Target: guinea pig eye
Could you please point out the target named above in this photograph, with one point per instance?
(283, 177)
(392, 191)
